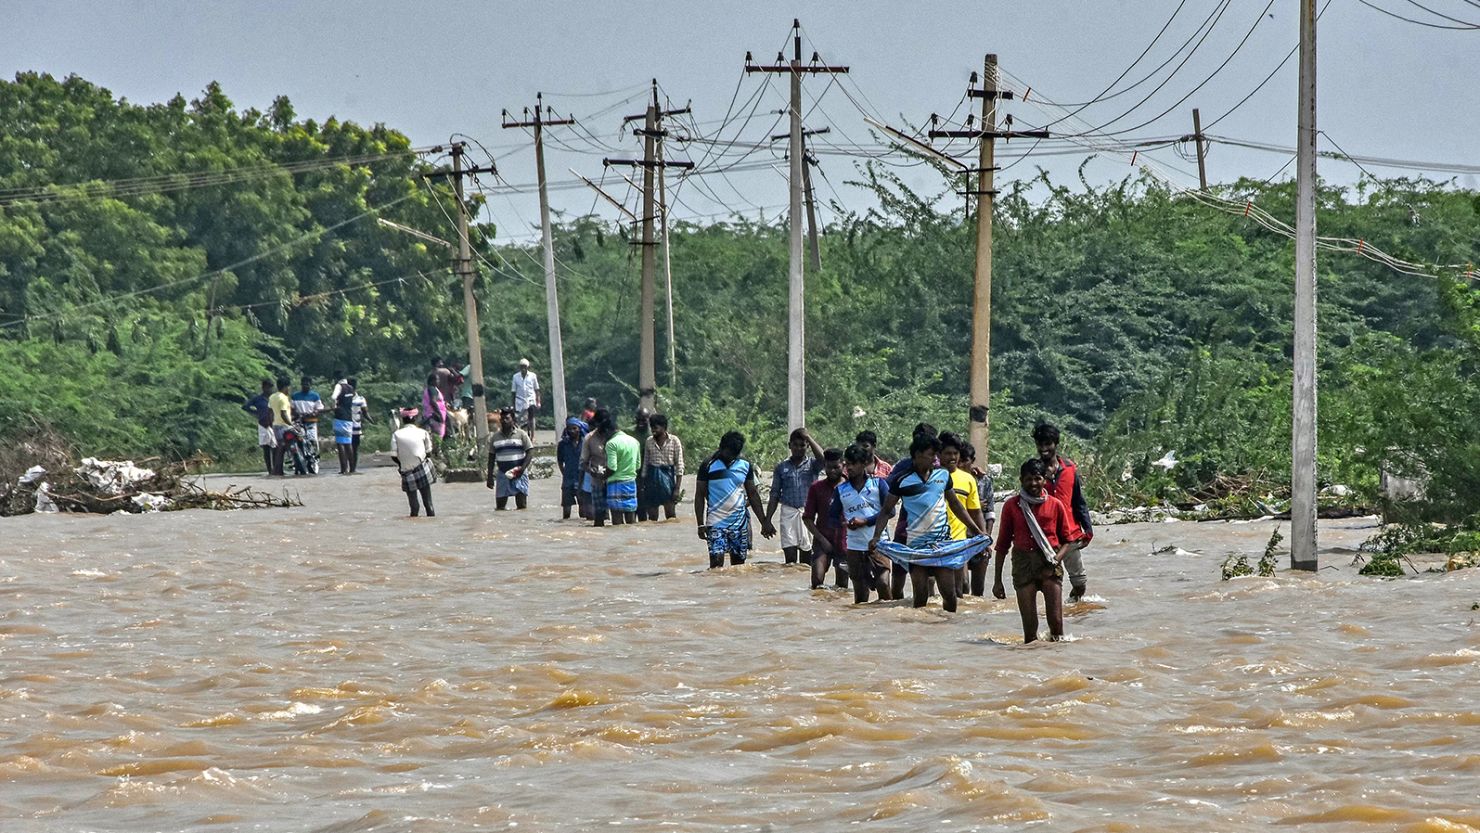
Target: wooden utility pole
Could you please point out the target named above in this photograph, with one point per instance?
(981, 308)
(542, 119)
(796, 394)
(464, 266)
(651, 131)
(1197, 138)
(1303, 426)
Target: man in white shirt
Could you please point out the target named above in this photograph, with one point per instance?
(526, 390)
(411, 448)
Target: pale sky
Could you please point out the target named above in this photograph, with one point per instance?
(1387, 88)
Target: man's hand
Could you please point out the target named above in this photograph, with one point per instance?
(873, 543)
(822, 545)
(703, 532)
(998, 591)
(767, 529)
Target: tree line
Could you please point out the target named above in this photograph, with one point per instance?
(1140, 321)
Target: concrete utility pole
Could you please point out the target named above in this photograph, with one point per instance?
(1202, 162)
(667, 267)
(981, 307)
(464, 266)
(796, 394)
(814, 252)
(540, 121)
(651, 131)
(1303, 427)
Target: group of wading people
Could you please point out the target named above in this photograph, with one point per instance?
(836, 507)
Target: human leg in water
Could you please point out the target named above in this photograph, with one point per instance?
(947, 578)
(426, 497)
(920, 584)
(1027, 599)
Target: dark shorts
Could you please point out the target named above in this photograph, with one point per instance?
(569, 493)
(861, 563)
(1029, 569)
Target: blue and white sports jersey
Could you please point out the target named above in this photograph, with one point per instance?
(727, 496)
(925, 502)
(861, 504)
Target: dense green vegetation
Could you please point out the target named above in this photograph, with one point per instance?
(135, 317)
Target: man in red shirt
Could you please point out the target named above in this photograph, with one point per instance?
(1063, 483)
(869, 442)
(1037, 530)
(826, 525)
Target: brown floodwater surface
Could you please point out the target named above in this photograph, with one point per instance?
(342, 668)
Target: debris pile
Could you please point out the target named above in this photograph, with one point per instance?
(57, 484)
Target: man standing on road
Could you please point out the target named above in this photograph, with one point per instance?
(257, 406)
(526, 391)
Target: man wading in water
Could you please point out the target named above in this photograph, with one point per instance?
(411, 450)
(1063, 483)
(727, 485)
(1037, 529)
(508, 462)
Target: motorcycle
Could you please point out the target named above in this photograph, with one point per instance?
(305, 455)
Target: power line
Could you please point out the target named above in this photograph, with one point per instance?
(1377, 8)
(309, 235)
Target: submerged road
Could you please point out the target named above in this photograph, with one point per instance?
(341, 668)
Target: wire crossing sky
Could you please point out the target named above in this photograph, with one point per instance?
(1399, 82)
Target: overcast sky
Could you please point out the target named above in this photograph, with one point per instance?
(1387, 87)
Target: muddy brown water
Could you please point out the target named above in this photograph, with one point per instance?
(340, 668)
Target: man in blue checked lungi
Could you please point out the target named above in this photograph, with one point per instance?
(727, 486)
(508, 462)
(929, 501)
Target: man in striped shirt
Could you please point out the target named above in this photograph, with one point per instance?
(508, 462)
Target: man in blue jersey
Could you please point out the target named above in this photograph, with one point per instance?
(930, 501)
(727, 485)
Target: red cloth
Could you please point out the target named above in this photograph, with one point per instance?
(1052, 515)
(882, 469)
(1062, 487)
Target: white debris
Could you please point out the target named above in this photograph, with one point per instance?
(150, 503)
(112, 477)
(1336, 490)
(32, 475)
(859, 413)
(1168, 461)
(44, 503)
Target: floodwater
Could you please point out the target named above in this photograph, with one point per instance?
(341, 668)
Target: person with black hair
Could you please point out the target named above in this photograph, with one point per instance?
(930, 501)
(790, 481)
(1037, 530)
(593, 463)
(1063, 483)
(258, 407)
(662, 469)
(858, 504)
(725, 489)
(823, 521)
(869, 442)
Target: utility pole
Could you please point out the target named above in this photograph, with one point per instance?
(542, 119)
(809, 199)
(651, 131)
(981, 307)
(796, 394)
(667, 267)
(1197, 137)
(464, 266)
(1303, 426)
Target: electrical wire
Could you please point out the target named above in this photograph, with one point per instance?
(1377, 8)
(312, 234)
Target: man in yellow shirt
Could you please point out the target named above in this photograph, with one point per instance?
(281, 405)
(964, 485)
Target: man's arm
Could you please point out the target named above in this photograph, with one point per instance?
(754, 496)
(960, 512)
(678, 458)
(881, 523)
(814, 445)
(701, 495)
(775, 495)
(1081, 511)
